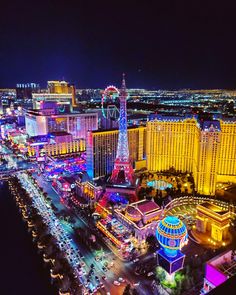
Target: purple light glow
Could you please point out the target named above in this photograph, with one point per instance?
(214, 276)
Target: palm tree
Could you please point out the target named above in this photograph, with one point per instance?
(127, 290)
(65, 284)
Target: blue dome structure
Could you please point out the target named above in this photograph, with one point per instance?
(172, 234)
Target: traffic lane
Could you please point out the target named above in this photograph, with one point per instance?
(89, 258)
(117, 271)
(125, 270)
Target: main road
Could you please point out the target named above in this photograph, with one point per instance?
(119, 269)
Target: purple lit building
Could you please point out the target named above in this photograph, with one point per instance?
(41, 122)
(140, 217)
(218, 270)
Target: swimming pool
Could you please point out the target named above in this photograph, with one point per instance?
(159, 184)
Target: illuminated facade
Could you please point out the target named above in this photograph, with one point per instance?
(88, 190)
(207, 149)
(227, 152)
(209, 145)
(59, 87)
(41, 122)
(102, 145)
(60, 101)
(62, 87)
(55, 143)
(60, 92)
(218, 270)
(171, 142)
(213, 221)
(140, 217)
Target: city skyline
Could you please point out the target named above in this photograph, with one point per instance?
(118, 147)
(161, 46)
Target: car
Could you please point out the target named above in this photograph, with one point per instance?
(96, 278)
(136, 260)
(104, 268)
(136, 284)
(92, 265)
(80, 273)
(104, 278)
(91, 272)
(102, 285)
(82, 263)
(121, 280)
(97, 258)
(116, 283)
(150, 274)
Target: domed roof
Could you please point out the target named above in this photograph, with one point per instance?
(133, 213)
(171, 233)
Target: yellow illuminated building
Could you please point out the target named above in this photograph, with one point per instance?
(57, 143)
(62, 87)
(208, 157)
(207, 149)
(88, 190)
(227, 152)
(101, 149)
(213, 221)
(171, 143)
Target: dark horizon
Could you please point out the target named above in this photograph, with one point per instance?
(157, 45)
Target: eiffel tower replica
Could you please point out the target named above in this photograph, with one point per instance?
(123, 172)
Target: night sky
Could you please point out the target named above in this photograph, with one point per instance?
(158, 44)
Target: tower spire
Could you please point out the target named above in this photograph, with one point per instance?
(123, 90)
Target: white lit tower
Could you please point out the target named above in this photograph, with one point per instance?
(123, 172)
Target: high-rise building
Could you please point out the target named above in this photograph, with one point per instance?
(227, 153)
(207, 164)
(102, 145)
(207, 149)
(171, 142)
(42, 122)
(60, 95)
(62, 87)
(24, 91)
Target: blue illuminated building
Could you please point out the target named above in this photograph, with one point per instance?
(172, 234)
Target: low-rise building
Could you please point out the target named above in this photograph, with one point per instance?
(140, 217)
(213, 221)
(218, 270)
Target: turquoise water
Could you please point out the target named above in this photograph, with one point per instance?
(159, 184)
